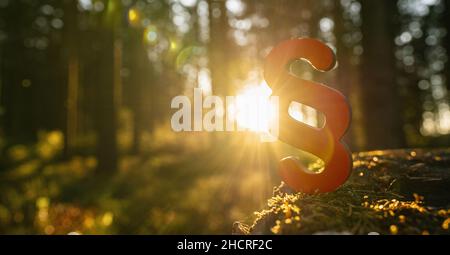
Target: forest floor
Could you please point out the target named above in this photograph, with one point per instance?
(170, 190)
(389, 192)
(181, 190)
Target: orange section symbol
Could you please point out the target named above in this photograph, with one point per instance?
(324, 142)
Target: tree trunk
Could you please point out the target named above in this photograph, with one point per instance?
(381, 104)
(447, 39)
(136, 80)
(106, 98)
(72, 75)
(219, 48)
(348, 79)
(18, 85)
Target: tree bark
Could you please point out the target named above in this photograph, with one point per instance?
(219, 48)
(349, 80)
(72, 75)
(381, 103)
(106, 93)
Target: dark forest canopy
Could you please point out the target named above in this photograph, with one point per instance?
(93, 69)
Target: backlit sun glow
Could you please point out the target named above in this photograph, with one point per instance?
(254, 110)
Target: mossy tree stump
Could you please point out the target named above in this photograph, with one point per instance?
(389, 192)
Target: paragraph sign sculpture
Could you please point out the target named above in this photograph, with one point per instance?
(324, 142)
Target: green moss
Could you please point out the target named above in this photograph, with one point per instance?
(380, 196)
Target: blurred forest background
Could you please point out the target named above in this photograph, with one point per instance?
(86, 85)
